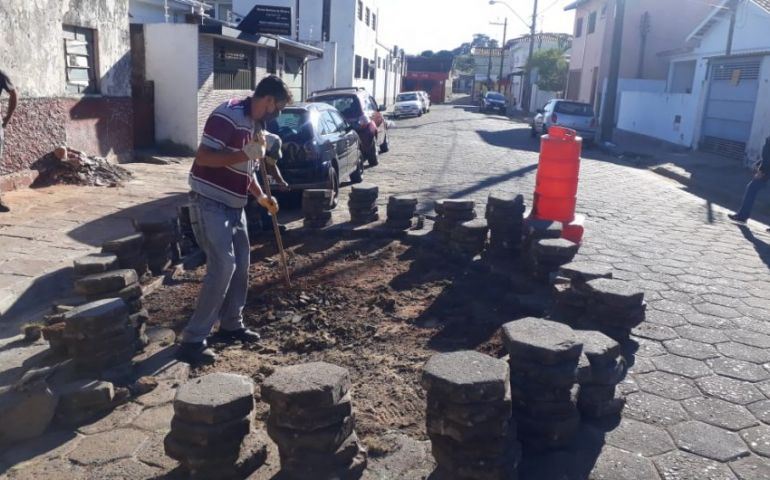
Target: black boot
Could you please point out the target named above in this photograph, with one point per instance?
(243, 335)
(196, 353)
(3, 207)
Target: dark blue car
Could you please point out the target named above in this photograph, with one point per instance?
(319, 147)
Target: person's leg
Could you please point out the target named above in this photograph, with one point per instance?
(231, 313)
(749, 197)
(214, 233)
(3, 207)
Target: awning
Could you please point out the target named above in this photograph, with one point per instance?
(260, 40)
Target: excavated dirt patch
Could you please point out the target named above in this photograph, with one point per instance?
(378, 307)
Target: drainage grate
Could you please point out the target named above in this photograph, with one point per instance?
(724, 147)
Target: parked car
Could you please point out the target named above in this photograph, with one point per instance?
(360, 110)
(492, 101)
(426, 100)
(319, 147)
(408, 104)
(566, 113)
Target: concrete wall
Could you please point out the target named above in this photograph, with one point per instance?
(31, 52)
(761, 127)
(655, 115)
(172, 63)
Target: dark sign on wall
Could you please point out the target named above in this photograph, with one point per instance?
(267, 19)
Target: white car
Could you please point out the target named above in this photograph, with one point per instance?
(425, 101)
(408, 104)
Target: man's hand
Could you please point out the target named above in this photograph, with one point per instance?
(269, 203)
(254, 150)
(282, 185)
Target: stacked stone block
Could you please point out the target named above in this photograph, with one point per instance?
(130, 252)
(543, 358)
(569, 288)
(450, 214)
(469, 416)
(187, 242)
(505, 217)
(211, 427)
(95, 263)
(161, 242)
(317, 208)
(614, 307)
(470, 238)
(122, 284)
(312, 422)
(99, 335)
(362, 203)
(600, 370)
(551, 253)
(401, 209)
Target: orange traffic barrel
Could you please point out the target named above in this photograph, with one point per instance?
(557, 175)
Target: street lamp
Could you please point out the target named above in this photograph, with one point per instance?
(526, 100)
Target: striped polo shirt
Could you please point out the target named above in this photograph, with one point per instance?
(229, 127)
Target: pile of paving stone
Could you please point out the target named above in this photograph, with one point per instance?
(549, 254)
(312, 422)
(99, 335)
(187, 242)
(317, 208)
(451, 213)
(469, 238)
(130, 252)
(614, 307)
(210, 430)
(569, 288)
(469, 416)
(600, 370)
(161, 242)
(401, 209)
(505, 217)
(543, 358)
(362, 203)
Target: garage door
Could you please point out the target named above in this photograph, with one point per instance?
(730, 106)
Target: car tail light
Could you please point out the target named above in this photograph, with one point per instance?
(554, 118)
(593, 122)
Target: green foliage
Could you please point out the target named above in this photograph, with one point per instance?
(427, 53)
(465, 63)
(552, 70)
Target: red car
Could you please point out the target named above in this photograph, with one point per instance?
(360, 110)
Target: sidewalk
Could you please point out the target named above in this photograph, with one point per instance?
(48, 228)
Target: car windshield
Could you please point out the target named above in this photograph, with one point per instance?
(292, 126)
(574, 108)
(347, 105)
(407, 97)
(495, 96)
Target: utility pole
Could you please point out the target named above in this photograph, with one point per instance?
(527, 100)
(502, 57)
(731, 32)
(611, 95)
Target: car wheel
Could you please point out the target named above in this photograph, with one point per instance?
(373, 156)
(420, 114)
(358, 175)
(533, 132)
(385, 146)
(333, 184)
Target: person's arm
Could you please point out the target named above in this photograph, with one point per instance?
(269, 203)
(275, 172)
(11, 106)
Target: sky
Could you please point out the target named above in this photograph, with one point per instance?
(418, 25)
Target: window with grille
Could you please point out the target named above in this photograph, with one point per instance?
(366, 68)
(358, 66)
(736, 71)
(79, 59)
(592, 23)
(368, 16)
(326, 20)
(374, 22)
(233, 67)
(270, 61)
(578, 28)
(360, 10)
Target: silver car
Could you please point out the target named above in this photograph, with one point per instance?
(566, 113)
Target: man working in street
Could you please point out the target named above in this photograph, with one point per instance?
(221, 179)
(752, 189)
(7, 85)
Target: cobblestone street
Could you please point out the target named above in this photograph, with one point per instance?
(698, 389)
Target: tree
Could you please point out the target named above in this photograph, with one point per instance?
(493, 43)
(445, 54)
(465, 63)
(427, 53)
(480, 40)
(552, 69)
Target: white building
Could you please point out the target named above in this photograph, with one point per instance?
(348, 32)
(713, 99)
(515, 58)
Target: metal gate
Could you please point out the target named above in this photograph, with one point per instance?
(730, 106)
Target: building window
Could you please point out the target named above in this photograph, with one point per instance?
(368, 16)
(270, 61)
(366, 68)
(372, 71)
(326, 20)
(234, 66)
(224, 11)
(592, 23)
(579, 28)
(360, 10)
(358, 66)
(374, 22)
(79, 59)
(379, 62)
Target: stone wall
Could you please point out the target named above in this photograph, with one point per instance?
(31, 52)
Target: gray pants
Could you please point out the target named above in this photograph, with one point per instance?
(221, 232)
